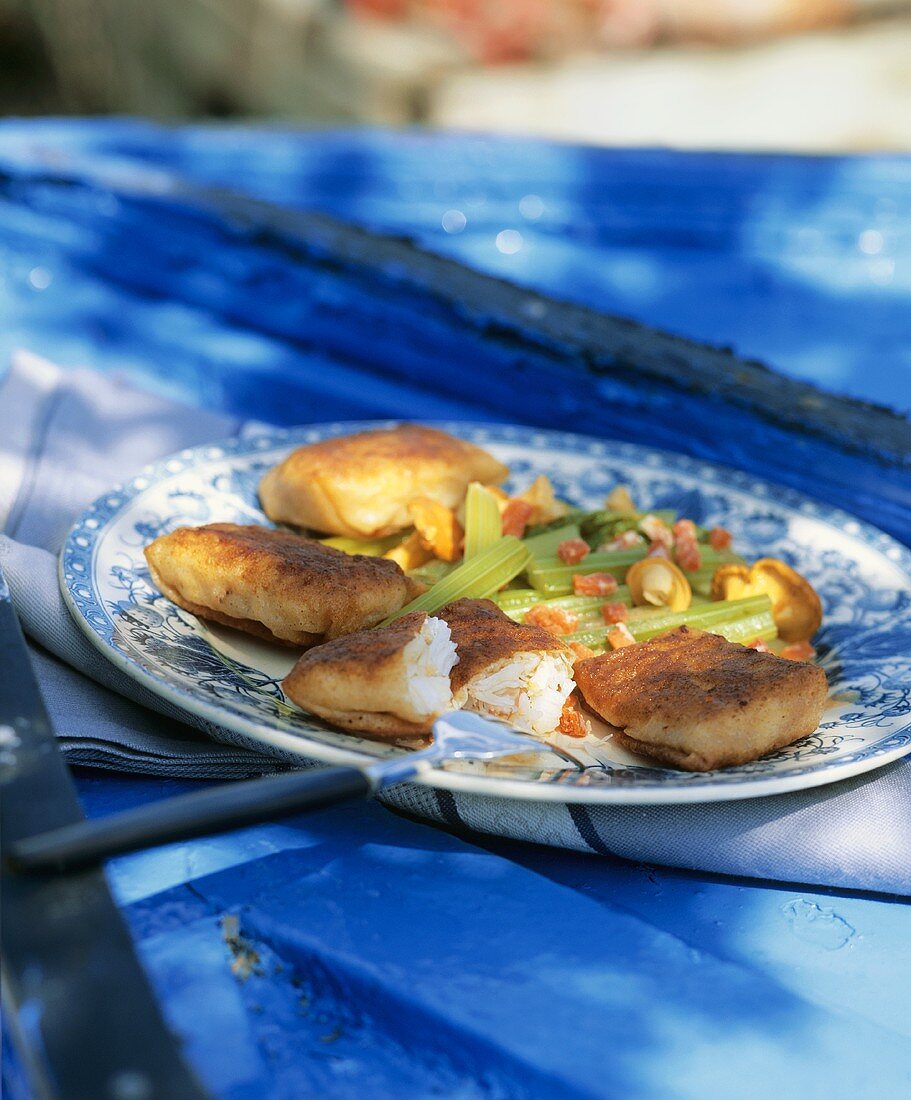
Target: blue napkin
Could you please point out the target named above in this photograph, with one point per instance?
(65, 437)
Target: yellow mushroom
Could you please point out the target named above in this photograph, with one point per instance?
(795, 605)
(436, 525)
(619, 501)
(410, 554)
(658, 582)
(540, 495)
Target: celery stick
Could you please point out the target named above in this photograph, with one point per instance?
(645, 623)
(517, 597)
(545, 545)
(552, 577)
(521, 600)
(479, 578)
(431, 572)
(748, 629)
(482, 520)
(373, 548)
(745, 629)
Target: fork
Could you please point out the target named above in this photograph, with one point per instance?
(457, 735)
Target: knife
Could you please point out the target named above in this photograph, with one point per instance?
(83, 1016)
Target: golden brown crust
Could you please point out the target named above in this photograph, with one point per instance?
(485, 636)
(360, 485)
(696, 701)
(299, 591)
(378, 726)
(352, 652)
(359, 682)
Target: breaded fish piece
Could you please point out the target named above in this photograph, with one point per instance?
(389, 682)
(698, 702)
(521, 674)
(275, 584)
(360, 485)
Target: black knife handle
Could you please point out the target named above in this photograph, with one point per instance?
(199, 813)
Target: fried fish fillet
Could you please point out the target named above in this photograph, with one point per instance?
(275, 584)
(698, 702)
(389, 682)
(521, 674)
(360, 485)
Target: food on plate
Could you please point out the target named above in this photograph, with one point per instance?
(520, 674)
(275, 584)
(388, 682)
(795, 606)
(437, 528)
(695, 701)
(657, 581)
(361, 485)
(438, 589)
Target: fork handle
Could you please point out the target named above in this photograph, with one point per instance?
(199, 813)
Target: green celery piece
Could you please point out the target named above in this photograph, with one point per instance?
(588, 608)
(552, 577)
(745, 629)
(748, 629)
(545, 545)
(479, 578)
(517, 597)
(647, 623)
(482, 520)
(431, 572)
(372, 548)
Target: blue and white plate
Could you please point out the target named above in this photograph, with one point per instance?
(230, 684)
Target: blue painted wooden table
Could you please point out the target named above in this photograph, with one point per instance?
(358, 953)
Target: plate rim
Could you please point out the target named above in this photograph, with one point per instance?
(270, 436)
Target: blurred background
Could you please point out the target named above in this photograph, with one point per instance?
(807, 75)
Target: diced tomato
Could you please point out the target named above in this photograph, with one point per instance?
(657, 530)
(515, 517)
(581, 651)
(555, 620)
(798, 651)
(620, 636)
(626, 540)
(572, 551)
(759, 644)
(615, 612)
(658, 550)
(688, 556)
(719, 538)
(594, 584)
(685, 529)
(573, 722)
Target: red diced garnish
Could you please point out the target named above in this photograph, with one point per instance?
(594, 584)
(555, 620)
(798, 651)
(620, 636)
(685, 529)
(759, 645)
(515, 517)
(719, 538)
(581, 651)
(658, 550)
(688, 556)
(573, 722)
(572, 551)
(615, 612)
